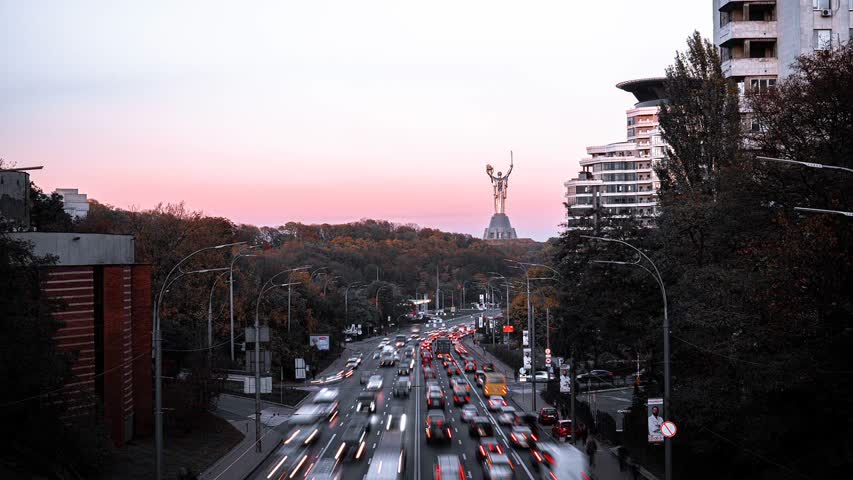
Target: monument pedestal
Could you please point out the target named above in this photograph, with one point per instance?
(499, 228)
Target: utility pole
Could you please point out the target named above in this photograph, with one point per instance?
(531, 327)
(437, 290)
(548, 328)
(573, 393)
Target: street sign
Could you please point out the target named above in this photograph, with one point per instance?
(548, 352)
(548, 357)
(668, 429)
(528, 360)
(300, 368)
(525, 340)
(509, 329)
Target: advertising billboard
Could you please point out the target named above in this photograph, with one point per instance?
(655, 411)
(319, 341)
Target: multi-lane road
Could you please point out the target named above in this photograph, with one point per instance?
(399, 447)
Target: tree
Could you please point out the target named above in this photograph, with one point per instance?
(47, 213)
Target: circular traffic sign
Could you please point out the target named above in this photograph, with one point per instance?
(547, 351)
(667, 429)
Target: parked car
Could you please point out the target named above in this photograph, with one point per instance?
(563, 429)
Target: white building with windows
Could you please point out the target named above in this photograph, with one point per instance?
(617, 180)
(75, 204)
(759, 40)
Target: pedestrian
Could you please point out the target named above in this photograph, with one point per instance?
(591, 448)
(622, 453)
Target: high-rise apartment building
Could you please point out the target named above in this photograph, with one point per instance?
(759, 40)
(617, 180)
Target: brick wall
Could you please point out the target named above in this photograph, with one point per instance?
(141, 313)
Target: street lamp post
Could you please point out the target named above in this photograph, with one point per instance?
(666, 349)
(158, 358)
(269, 285)
(210, 321)
(346, 300)
(289, 287)
(531, 326)
(231, 292)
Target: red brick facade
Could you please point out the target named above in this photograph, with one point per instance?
(107, 315)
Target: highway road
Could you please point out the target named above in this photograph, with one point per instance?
(397, 450)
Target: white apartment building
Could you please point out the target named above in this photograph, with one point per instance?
(759, 40)
(617, 180)
(75, 204)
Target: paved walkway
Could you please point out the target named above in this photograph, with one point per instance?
(606, 461)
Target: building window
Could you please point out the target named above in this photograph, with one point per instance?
(822, 39)
(630, 132)
(822, 4)
(762, 85)
(630, 121)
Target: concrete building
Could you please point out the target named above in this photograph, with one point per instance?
(107, 312)
(759, 40)
(75, 204)
(617, 180)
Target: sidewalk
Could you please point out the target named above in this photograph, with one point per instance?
(606, 461)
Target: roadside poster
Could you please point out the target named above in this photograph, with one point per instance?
(525, 339)
(655, 420)
(565, 379)
(528, 360)
(319, 341)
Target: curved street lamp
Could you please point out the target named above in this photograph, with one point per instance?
(158, 356)
(666, 353)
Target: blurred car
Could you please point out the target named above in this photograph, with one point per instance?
(480, 378)
(374, 383)
(552, 460)
(488, 367)
(429, 373)
(325, 469)
(435, 399)
(507, 416)
(468, 412)
(498, 466)
(460, 381)
(522, 436)
(354, 362)
(396, 420)
(495, 403)
(548, 416)
(327, 400)
(437, 428)
(402, 388)
(448, 467)
(470, 366)
(488, 445)
(460, 395)
(363, 379)
(542, 376)
(454, 370)
(353, 440)
(403, 370)
(481, 427)
(376, 355)
(365, 402)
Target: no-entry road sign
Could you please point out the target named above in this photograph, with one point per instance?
(668, 429)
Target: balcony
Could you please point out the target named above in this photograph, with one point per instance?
(748, 67)
(734, 31)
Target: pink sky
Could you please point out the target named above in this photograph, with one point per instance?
(326, 111)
